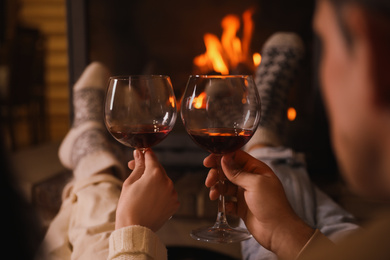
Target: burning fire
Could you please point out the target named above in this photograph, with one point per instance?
(228, 53)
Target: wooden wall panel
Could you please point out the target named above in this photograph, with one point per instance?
(50, 17)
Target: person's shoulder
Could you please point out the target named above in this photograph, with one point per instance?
(369, 242)
(380, 225)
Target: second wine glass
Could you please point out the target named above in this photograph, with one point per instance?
(220, 113)
(140, 111)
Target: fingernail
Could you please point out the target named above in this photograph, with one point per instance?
(136, 154)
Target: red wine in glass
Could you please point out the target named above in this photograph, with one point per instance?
(221, 140)
(139, 136)
(140, 110)
(221, 114)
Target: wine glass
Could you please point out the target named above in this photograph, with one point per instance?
(220, 113)
(140, 110)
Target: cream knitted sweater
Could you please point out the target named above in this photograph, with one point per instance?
(136, 242)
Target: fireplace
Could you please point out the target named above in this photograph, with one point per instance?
(166, 37)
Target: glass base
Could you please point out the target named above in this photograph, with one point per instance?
(221, 234)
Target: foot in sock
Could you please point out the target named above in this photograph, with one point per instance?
(88, 149)
(281, 59)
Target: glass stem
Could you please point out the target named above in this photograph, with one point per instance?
(221, 216)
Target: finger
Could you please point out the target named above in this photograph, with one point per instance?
(212, 178)
(213, 193)
(151, 160)
(139, 167)
(242, 169)
(153, 166)
(229, 190)
(210, 161)
(243, 160)
(131, 164)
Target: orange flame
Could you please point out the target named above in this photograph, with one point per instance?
(220, 56)
(256, 59)
(230, 43)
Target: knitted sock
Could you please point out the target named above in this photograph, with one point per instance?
(88, 149)
(281, 58)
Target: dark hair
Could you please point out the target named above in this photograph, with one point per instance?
(378, 6)
(377, 18)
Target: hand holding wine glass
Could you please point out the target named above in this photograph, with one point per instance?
(148, 197)
(140, 111)
(221, 113)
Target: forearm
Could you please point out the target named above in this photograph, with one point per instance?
(317, 245)
(289, 239)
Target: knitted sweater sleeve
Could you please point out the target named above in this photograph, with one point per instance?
(136, 242)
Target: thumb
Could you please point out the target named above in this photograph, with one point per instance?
(139, 168)
(242, 169)
(151, 161)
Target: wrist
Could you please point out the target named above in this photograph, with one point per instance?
(289, 239)
(123, 220)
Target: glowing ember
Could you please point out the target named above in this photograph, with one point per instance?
(224, 55)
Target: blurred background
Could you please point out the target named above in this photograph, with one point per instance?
(34, 71)
(46, 44)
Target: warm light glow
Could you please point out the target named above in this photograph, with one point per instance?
(291, 113)
(199, 100)
(241, 133)
(172, 101)
(256, 59)
(227, 53)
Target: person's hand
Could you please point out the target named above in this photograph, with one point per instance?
(261, 203)
(148, 197)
